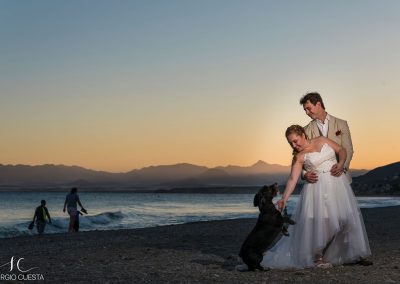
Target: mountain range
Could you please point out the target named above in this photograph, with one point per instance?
(383, 180)
(164, 176)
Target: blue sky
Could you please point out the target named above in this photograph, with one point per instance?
(117, 85)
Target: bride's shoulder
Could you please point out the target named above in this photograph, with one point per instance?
(319, 141)
(299, 157)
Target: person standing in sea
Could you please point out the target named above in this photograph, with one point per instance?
(42, 216)
(71, 203)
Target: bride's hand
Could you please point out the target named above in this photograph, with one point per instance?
(281, 204)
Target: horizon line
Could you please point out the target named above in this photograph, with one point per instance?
(161, 165)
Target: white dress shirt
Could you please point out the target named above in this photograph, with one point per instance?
(323, 125)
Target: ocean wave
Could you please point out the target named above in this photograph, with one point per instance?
(122, 211)
(105, 218)
(18, 230)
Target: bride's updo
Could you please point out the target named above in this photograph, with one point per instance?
(295, 129)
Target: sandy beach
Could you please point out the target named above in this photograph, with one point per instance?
(203, 252)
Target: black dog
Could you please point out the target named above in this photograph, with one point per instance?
(268, 230)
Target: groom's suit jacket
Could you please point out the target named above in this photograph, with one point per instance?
(338, 131)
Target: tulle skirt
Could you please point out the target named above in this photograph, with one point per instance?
(329, 221)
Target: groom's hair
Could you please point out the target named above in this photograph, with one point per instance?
(313, 97)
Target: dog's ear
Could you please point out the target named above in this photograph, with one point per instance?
(256, 199)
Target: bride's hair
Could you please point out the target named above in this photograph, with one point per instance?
(296, 129)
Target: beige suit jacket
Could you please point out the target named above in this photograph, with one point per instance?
(338, 131)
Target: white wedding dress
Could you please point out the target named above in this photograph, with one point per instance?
(326, 211)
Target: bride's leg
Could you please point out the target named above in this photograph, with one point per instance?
(327, 245)
(343, 228)
(319, 257)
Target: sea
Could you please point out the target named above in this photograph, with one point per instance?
(128, 210)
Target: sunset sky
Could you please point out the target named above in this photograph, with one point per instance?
(120, 85)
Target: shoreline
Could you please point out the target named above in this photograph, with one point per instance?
(195, 252)
(247, 190)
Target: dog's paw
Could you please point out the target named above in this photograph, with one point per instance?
(241, 267)
(285, 231)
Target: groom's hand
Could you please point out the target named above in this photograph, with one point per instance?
(311, 177)
(336, 170)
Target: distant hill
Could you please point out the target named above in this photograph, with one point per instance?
(356, 172)
(155, 175)
(257, 174)
(382, 180)
(260, 167)
(180, 176)
(52, 175)
(163, 175)
(209, 177)
(381, 174)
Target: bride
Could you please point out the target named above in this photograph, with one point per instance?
(330, 229)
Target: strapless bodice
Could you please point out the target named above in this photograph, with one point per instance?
(321, 161)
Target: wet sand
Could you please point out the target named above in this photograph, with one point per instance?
(202, 252)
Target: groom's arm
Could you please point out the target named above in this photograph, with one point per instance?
(310, 177)
(347, 144)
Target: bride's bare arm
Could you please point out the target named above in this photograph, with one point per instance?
(295, 172)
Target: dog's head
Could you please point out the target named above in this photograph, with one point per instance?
(265, 195)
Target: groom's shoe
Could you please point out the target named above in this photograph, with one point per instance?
(364, 262)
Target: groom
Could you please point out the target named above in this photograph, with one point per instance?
(324, 124)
